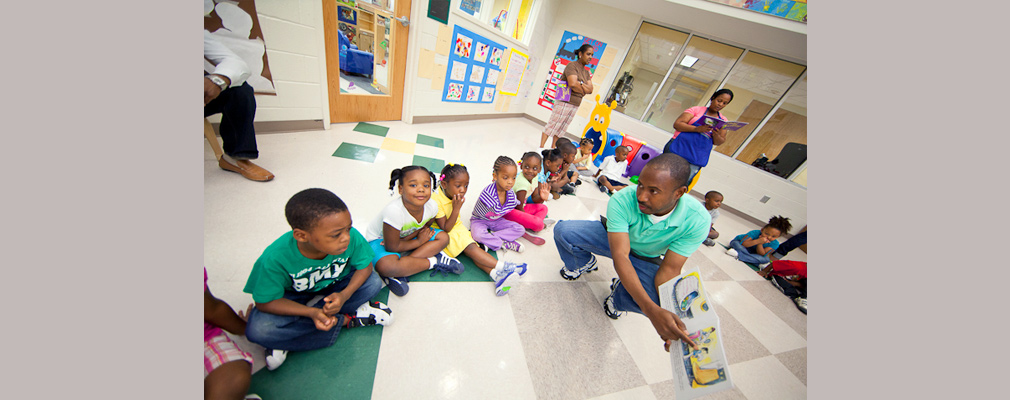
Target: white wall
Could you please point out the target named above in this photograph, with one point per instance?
(293, 33)
(420, 99)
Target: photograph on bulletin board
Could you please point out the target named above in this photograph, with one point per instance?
(472, 74)
(570, 43)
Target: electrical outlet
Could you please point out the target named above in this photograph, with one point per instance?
(765, 199)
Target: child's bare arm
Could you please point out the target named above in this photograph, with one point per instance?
(220, 313)
(448, 222)
(521, 195)
(393, 243)
(336, 299)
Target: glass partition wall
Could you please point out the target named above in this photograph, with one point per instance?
(667, 71)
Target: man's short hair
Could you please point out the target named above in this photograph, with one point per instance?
(676, 165)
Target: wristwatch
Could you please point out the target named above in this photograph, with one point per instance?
(218, 81)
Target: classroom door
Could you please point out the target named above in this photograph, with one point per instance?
(366, 56)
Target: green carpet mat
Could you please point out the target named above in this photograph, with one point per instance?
(345, 370)
(754, 267)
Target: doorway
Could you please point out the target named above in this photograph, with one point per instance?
(366, 57)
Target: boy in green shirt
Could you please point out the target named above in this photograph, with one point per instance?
(650, 230)
(321, 255)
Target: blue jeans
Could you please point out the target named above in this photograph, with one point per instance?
(745, 255)
(577, 239)
(294, 333)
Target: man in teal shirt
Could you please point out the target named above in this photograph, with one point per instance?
(650, 231)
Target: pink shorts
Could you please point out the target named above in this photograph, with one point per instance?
(220, 350)
(561, 116)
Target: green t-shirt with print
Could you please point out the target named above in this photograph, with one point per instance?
(282, 268)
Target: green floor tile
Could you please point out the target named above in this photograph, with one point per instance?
(432, 164)
(430, 141)
(371, 129)
(345, 370)
(356, 152)
(470, 273)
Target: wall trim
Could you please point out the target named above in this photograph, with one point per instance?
(425, 119)
(281, 126)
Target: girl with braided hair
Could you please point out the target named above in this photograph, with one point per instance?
(452, 186)
(401, 235)
(486, 224)
(529, 213)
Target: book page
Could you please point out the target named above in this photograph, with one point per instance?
(703, 371)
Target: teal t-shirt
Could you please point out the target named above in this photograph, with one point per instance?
(682, 232)
(282, 268)
(773, 245)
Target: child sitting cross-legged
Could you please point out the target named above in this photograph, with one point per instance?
(452, 187)
(608, 178)
(755, 246)
(401, 235)
(713, 200)
(321, 256)
(496, 199)
(585, 157)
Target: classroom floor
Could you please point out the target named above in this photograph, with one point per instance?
(547, 339)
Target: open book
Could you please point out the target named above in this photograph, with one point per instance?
(703, 371)
(717, 123)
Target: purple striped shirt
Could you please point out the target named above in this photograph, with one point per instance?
(488, 206)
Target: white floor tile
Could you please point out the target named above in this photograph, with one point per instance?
(766, 378)
(767, 327)
(639, 393)
(451, 341)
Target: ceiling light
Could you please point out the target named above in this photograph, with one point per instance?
(688, 61)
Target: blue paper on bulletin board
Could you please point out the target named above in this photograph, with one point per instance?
(474, 68)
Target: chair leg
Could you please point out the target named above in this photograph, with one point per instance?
(208, 131)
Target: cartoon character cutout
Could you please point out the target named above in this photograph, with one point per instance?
(599, 121)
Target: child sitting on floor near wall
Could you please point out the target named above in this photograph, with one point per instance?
(530, 214)
(713, 200)
(401, 235)
(612, 169)
(452, 186)
(566, 182)
(755, 246)
(487, 224)
(322, 255)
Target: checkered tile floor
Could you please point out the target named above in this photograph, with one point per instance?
(548, 338)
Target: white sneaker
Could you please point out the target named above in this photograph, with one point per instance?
(732, 253)
(506, 276)
(367, 314)
(275, 358)
(548, 222)
(801, 303)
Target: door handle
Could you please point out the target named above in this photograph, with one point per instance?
(403, 21)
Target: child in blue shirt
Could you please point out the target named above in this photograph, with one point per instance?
(755, 246)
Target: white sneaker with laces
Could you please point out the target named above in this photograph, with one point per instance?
(732, 253)
(275, 358)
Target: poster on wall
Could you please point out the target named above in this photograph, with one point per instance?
(236, 25)
(570, 42)
(471, 77)
(795, 10)
(515, 68)
(438, 10)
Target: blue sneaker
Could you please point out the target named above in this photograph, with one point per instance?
(447, 265)
(585, 269)
(506, 276)
(397, 286)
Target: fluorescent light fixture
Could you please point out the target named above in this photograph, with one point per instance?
(688, 61)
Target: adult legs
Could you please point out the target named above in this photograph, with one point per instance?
(746, 256)
(796, 241)
(237, 106)
(578, 240)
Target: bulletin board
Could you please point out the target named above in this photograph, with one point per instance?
(474, 68)
(570, 42)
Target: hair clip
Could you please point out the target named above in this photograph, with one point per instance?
(442, 177)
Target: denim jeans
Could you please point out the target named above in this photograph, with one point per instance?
(294, 333)
(577, 239)
(745, 255)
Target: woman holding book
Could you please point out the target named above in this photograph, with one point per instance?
(695, 136)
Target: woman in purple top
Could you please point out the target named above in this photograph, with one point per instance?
(486, 224)
(693, 140)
